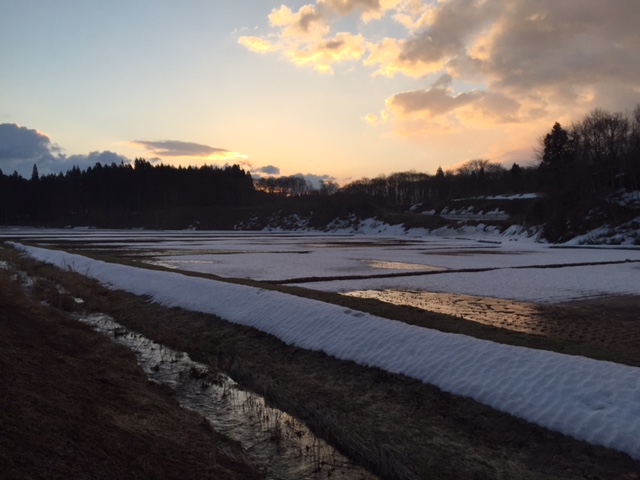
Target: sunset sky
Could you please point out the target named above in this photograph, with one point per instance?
(340, 89)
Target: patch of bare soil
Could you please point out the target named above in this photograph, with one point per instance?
(74, 405)
(612, 321)
(398, 427)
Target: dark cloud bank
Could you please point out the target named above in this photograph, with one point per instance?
(21, 148)
(176, 148)
(268, 170)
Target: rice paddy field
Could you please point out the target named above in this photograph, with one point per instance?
(525, 331)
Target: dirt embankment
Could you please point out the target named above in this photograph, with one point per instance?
(74, 405)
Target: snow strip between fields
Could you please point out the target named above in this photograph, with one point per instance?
(587, 399)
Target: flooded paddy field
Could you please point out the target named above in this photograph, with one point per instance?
(511, 283)
(517, 286)
(288, 256)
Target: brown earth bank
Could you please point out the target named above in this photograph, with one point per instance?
(398, 427)
(74, 405)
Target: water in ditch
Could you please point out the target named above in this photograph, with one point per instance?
(275, 441)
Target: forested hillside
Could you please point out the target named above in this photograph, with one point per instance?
(583, 177)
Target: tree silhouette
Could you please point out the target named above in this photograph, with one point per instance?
(556, 159)
(122, 189)
(34, 173)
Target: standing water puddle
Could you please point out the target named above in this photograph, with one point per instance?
(584, 324)
(273, 439)
(520, 316)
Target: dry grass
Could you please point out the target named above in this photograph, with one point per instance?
(398, 427)
(75, 405)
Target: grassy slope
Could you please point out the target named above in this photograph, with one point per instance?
(399, 427)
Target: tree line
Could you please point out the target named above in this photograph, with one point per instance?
(294, 186)
(473, 178)
(121, 189)
(576, 168)
(583, 164)
(599, 154)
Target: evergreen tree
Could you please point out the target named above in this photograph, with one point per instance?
(34, 174)
(556, 154)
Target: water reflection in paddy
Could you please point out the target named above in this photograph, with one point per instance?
(600, 323)
(388, 265)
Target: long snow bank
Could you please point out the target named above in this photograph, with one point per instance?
(587, 399)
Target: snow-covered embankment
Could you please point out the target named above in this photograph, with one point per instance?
(587, 399)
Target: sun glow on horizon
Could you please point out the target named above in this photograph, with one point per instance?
(344, 88)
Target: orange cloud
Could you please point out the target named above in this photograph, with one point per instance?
(507, 62)
(305, 35)
(304, 24)
(257, 44)
(323, 54)
(368, 9)
(387, 56)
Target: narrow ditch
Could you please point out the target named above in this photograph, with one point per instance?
(282, 446)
